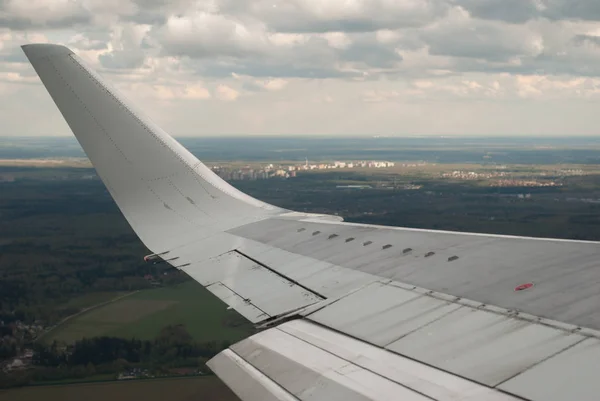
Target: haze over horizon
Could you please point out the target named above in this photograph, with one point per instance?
(405, 68)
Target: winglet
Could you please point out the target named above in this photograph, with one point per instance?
(35, 51)
(168, 196)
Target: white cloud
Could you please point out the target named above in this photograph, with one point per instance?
(337, 40)
(169, 92)
(227, 93)
(337, 66)
(343, 15)
(202, 34)
(377, 96)
(520, 11)
(251, 84)
(275, 84)
(18, 14)
(461, 36)
(548, 87)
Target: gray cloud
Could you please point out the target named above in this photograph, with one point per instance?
(122, 59)
(307, 16)
(156, 12)
(513, 11)
(435, 57)
(359, 24)
(228, 47)
(490, 41)
(520, 11)
(22, 23)
(253, 87)
(18, 16)
(129, 48)
(202, 35)
(543, 64)
(90, 40)
(263, 69)
(13, 54)
(585, 39)
(371, 54)
(571, 9)
(277, 38)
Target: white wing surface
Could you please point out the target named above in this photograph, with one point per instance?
(349, 311)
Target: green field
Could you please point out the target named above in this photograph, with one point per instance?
(143, 314)
(93, 298)
(208, 388)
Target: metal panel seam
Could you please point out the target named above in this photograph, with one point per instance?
(341, 297)
(257, 377)
(498, 310)
(426, 324)
(411, 359)
(279, 274)
(350, 362)
(242, 298)
(541, 361)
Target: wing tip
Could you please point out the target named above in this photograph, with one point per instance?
(34, 51)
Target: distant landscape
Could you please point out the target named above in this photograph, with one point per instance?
(514, 150)
(73, 282)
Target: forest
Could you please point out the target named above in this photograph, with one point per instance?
(174, 347)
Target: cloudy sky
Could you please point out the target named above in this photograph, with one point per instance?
(319, 67)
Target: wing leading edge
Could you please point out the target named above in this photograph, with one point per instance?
(379, 313)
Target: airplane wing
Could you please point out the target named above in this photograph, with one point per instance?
(349, 311)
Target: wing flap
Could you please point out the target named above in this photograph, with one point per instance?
(326, 279)
(570, 375)
(245, 380)
(383, 313)
(487, 345)
(484, 346)
(251, 288)
(313, 363)
(243, 306)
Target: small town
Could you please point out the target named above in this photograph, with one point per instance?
(16, 336)
(524, 183)
(287, 171)
(472, 175)
(511, 179)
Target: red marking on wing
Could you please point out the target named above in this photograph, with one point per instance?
(523, 286)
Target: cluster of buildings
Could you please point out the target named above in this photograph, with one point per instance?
(20, 331)
(142, 373)
(524, 183)
(27, 330)
(251, 174)
(287, 171)
(571, 172)
(134, 373)
(472, 175)
(21, 362)
(506, 179)
(16, 335)
(338, 164)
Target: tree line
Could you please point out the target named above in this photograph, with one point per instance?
(173, 347)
